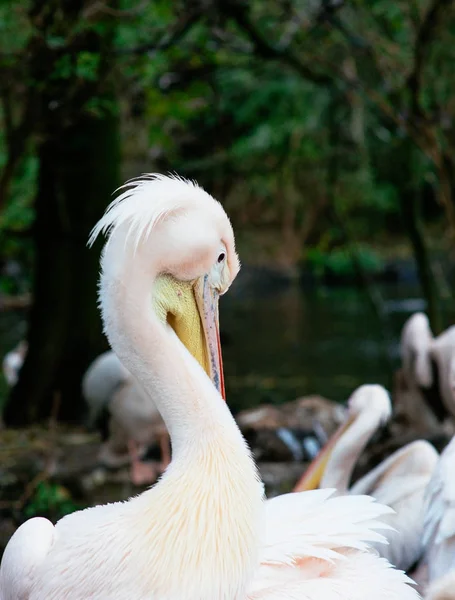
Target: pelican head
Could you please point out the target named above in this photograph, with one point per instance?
(369, 407)
(372, 399)
(190, 258)
(416, 340)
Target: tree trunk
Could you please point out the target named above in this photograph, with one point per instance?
(397, 164)
(78, 172)
(410, 207)
(403, 170)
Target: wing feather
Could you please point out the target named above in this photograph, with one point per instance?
(315, 524)
(24, 553)
(317, 546)
(361, 576)
(439, 521)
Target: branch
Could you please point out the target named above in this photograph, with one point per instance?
(7, 114)
(239, 13)
(17, 233)
(94, 10)
(425, 35)
(181, 29)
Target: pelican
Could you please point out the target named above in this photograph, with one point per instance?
(422, 405)
(439, 527)
(442, 353)
(204, 531)
(429, 364)
(416, 339)
(134, 420)
(13, 361)
(399, 481)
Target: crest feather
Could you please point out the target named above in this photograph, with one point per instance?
(145, 202)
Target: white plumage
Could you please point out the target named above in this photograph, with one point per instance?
(443, 588)
(439, 522)
(399, 481)
(13, 361)
(134, 423)
(442, 352)
(416, 340)
(203, 532)
(101, 380)
(429, 364)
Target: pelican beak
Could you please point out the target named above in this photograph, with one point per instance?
(191, 310)
(207, 300)
(312, 477)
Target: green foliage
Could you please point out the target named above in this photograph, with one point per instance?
(217, 105)
(50, 500)
(17, 218)
(341, 261)
(14, 27)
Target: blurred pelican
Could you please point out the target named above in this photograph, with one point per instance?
(134, 421)
(439, 527)
(429, 364)
(13, 361)
(203, 532)
(399, 481)
(416, 340)
(442, 354)
(422, 406)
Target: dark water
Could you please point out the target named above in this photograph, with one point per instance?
(294, 342)
(282, 341)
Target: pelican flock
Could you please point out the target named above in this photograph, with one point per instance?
(205, 530)
(400, 481)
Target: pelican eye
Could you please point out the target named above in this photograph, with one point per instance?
(221, 257)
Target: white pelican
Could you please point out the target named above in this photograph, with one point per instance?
(399, 481)
(13, 361)
(439, 527)
(442, 353)
(429, 364)
(416, 339)
(422, 405)
(204, 531)
(134, 421)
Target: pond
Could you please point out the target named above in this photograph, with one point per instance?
(292, 341)
(281, 340)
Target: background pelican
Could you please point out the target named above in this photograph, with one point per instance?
(203, 531)
(416, 393)
(133, 421)
(429, 366)
(416, 339)
(442, 353)
(439, 527)
(13, 361)
(399, 481)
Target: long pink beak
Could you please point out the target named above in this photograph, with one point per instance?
(207, 298)
(312, 477)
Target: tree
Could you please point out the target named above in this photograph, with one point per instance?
(70, 116)
(77, 144)
(389, 55)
